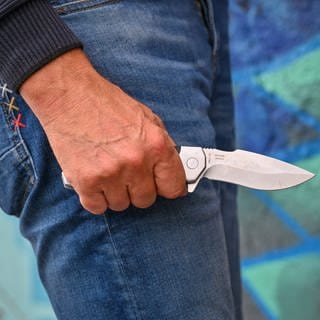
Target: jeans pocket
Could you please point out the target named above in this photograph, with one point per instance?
(17, 173)
(64, 7)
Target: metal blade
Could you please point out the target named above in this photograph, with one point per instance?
(253, 170)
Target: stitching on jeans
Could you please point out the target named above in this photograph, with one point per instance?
(10, 104)
(121, 267)
(25, 159)
(9, 151)
(9, 114)
(20, 148)
(4, 91)
(64, 10)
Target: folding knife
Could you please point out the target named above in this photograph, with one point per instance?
(241, 167)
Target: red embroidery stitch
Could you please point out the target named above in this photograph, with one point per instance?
(18, 123)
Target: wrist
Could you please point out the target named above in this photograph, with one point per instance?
(54, 82)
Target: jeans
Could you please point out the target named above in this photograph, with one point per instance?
(177, 259)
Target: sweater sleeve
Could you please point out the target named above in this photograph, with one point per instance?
(31, 35)
(9, 5)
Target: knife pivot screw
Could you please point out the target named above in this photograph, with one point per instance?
(192, 163)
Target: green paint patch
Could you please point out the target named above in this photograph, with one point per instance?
(290, 288)
(257, 223)
(297, 83)
(302, 202)
(19, 278)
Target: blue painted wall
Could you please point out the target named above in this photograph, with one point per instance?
(276, 73)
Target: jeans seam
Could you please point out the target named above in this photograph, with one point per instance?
(209, 13)
(122, 271)
(31, 169)
(12, 149)
(63, 9)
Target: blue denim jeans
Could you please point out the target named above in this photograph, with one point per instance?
(179, 258)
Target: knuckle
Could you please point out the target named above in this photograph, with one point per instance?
(136, 159)
(88, 181)
(158, 121)
(112, 171)
(159, 144)
(89, 176)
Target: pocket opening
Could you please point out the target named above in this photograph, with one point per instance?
(63, 7)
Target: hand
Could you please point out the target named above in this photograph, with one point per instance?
(112, 149)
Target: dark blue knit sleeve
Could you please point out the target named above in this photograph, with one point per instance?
(9, 5)
(31, 35)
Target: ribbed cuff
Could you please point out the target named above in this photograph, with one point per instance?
(31, 36)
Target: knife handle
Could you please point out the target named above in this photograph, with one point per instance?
(65, 182)
(194, 163)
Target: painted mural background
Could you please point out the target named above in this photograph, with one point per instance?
(275, 57)
(276, 73)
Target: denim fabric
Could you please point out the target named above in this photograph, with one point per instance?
(167, 262)
(222, 116)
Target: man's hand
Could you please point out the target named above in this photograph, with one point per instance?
(112, 149)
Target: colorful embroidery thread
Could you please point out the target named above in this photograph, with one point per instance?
(4, 90)
(18, 123)
(11, 105)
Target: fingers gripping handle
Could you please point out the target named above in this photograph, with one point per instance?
(194, 164)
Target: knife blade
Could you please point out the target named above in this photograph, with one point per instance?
(241, 167)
